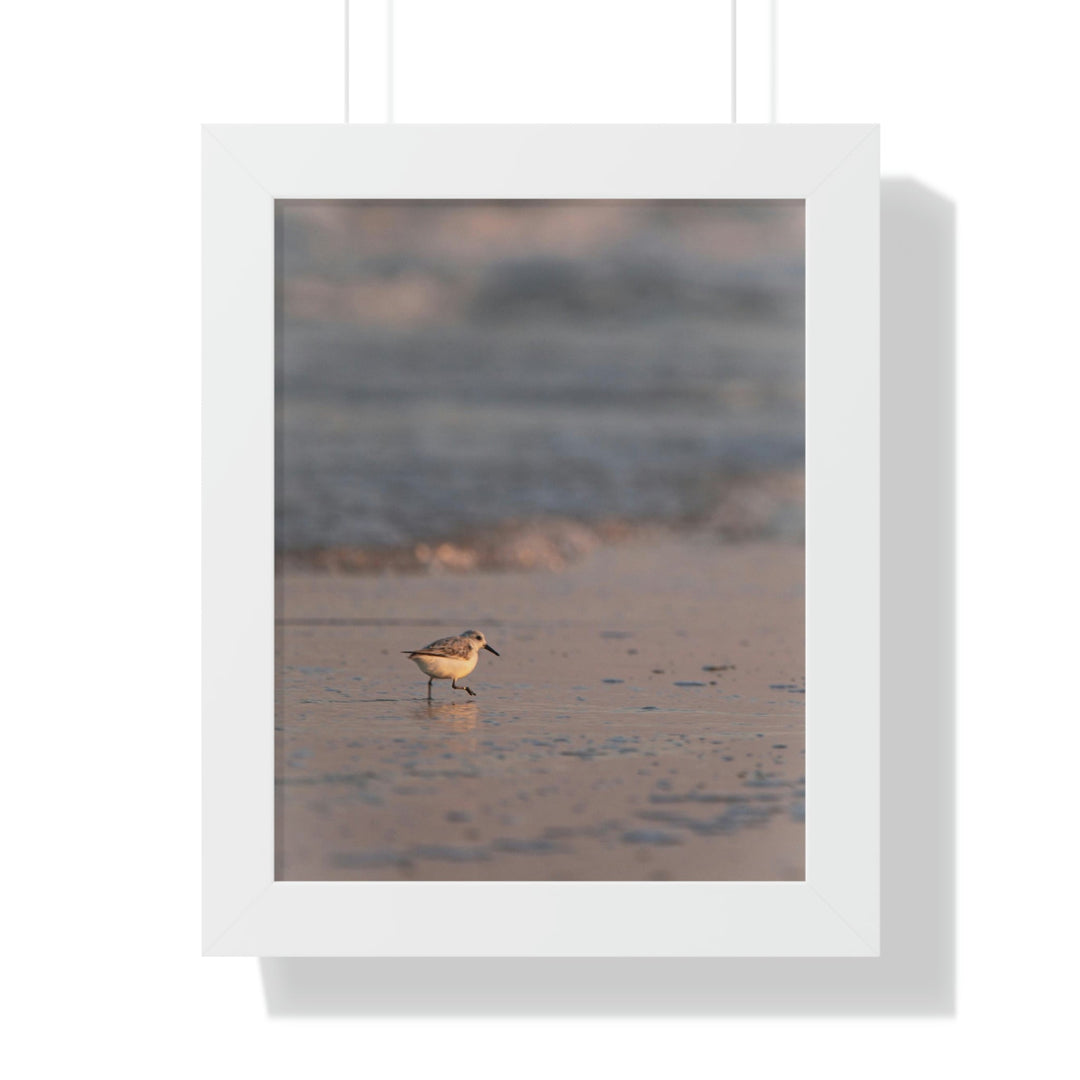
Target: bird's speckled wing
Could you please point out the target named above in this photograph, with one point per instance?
(446, 646)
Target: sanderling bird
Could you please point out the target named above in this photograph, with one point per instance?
(450, 658)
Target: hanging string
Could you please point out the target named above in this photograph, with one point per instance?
(773, 15)
(389, 61)
(734, 60)
(346, 61)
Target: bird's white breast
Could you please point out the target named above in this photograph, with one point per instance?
(445, 667)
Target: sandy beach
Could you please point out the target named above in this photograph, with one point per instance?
(644, 721)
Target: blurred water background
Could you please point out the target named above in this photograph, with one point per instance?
(449, 367)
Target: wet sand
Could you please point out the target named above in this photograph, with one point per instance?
(645, 721)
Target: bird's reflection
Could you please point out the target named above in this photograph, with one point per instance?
(447, 715)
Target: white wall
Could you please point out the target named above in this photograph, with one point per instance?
(100, 447)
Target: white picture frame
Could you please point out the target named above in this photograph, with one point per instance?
(836, 910)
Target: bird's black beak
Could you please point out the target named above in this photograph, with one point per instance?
(490, 649)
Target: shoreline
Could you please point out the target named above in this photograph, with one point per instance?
(758, 507)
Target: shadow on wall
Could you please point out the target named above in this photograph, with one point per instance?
(915, 974)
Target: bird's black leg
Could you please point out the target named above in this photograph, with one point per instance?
(429, 682)
(453, 683)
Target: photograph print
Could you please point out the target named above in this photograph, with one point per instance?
(540, 557)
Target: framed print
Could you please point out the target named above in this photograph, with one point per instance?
(541, 541)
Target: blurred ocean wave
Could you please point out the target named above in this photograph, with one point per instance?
(447, 368)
